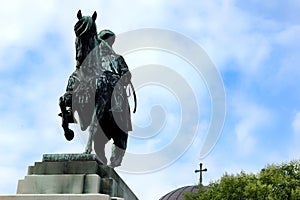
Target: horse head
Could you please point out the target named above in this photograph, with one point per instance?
(86, 26)
(86, 36)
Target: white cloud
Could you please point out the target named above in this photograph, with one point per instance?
(250, 118)
(293, 148)
(289, 36)
(296, 124)
(227, 33)
(9, 178)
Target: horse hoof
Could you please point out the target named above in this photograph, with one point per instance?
(88, 152)
(111, 166)
(69, 135)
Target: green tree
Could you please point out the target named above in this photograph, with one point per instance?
(275, 182)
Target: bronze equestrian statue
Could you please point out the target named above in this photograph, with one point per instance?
(96, 90)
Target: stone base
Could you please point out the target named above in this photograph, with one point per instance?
(71, 176)
(57, 197)
(59, 184)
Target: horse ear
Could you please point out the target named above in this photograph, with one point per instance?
(79, 15)
(94, 17)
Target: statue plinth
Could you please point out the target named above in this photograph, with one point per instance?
(70, 157)
(68, 176)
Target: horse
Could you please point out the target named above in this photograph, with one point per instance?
(86, 41)
(91, 88)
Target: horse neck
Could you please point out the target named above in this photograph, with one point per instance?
(87, 45)
(84, 46)
(88, 56)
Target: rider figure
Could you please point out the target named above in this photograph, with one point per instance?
(116, 121)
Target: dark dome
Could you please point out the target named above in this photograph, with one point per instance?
(178, 193)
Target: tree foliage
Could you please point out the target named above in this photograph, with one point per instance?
(275, 182)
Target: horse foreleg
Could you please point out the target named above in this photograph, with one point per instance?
(95, 126)
(92, 131)
(88, 148)
(69, 134)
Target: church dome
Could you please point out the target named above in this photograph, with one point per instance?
(178, 193)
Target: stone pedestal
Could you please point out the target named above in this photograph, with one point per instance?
(57, 197)
(71, 176)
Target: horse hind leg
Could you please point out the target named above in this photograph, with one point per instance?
(94, 126)
(117, 155)
(118, 148)
(92, 131)
(100, 141)
(88, 148)
(101, 100)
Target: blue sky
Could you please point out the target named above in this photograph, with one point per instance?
(253, 44)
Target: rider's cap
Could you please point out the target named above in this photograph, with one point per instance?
(106, 34)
